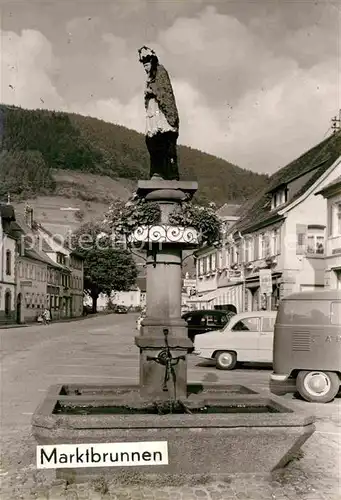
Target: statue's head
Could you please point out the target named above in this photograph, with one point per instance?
(148, 58)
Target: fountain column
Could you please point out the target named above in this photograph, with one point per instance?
(163, 323)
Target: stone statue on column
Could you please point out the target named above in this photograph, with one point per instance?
(162, 119)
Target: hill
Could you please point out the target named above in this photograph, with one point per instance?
(54, 153)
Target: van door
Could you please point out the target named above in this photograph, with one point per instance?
(243, 337)
(266, 339)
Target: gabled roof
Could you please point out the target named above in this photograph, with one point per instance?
(257, 212)
(228, 210)
(36, 253)
(65, 246)
(30, 231)
(52, 236)
(331, 188)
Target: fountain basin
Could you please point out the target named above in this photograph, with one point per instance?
(239, 430)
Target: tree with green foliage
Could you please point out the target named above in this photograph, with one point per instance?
(107, 267)
(24, 173)
(85, 144)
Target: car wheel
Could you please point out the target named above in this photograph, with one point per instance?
(226, 360)
(317, 386)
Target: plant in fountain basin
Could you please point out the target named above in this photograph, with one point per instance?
(124, 218)
(203, 219)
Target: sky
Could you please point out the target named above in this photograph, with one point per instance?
(257, 82)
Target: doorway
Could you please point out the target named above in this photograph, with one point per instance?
(8, 300)
(18, 313)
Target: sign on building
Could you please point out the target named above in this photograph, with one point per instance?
(265, 281)
(190, 286)
(189, 283)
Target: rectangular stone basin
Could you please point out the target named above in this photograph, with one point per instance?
(115, 390)
(238, 431)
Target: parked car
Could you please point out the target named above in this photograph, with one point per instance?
(247, 337)
(121, 310)
(203, 321)
(307, 346)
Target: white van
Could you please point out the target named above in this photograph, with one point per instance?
(247, 337)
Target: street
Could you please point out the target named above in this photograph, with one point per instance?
(102, 349)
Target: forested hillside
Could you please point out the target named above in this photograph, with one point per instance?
(37, 143)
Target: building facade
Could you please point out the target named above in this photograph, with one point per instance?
(77, 284)
(332, 194)
(279, 243)
(65, 279)
(36, 272)
(134, 298)
(31, 286)
(211, 266)
(33, 275)
(8, 301)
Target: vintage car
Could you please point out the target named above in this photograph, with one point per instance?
(203, 321)
(247, 337)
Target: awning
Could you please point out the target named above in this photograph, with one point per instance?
(206, 297)
(214, 294)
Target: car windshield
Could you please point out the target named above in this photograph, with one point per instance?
(224, 321)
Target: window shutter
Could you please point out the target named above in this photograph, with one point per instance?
(301, 239)
(256, 247)
(267, 244)
(279, 240)
(331, 219)
(214, 261)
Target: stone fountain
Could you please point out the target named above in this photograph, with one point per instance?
(210, 429)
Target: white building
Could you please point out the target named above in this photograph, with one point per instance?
(134, 298)
(281, 232)
(8, 243)
(332, 193)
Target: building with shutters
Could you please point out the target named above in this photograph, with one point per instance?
(65, 288)
(332, 274)
(36, 273)
(280, 234)
(283, 230)
(210, 264)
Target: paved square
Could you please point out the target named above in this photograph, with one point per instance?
(102, 349)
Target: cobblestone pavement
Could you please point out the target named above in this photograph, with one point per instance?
(102, 348)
